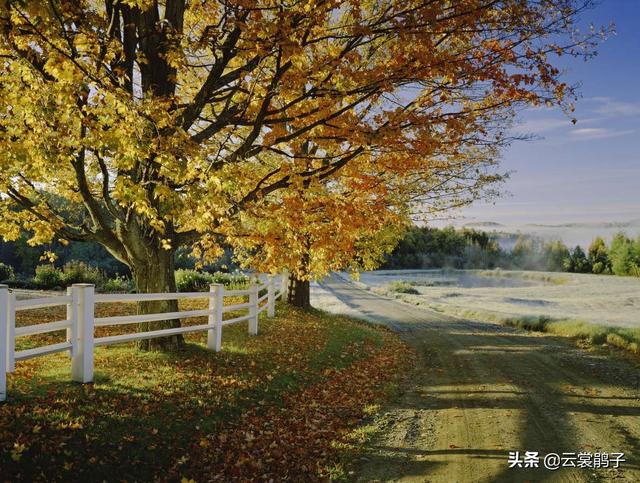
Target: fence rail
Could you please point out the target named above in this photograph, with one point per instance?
(80, 322)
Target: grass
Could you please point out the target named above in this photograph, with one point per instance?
(526, 275)
(266, 405)
(627, 339)
(398, 286)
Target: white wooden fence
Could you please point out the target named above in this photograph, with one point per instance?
(81, 321)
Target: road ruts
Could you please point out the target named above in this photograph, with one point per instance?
(478, 391)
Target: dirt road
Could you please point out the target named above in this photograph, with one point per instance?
(481, 390)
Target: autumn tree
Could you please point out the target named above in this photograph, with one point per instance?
(151, 119)
(347, 225)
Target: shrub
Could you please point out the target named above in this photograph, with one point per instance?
(188, 280)
(6, 272)
(194, 281)
(48, 277)
(402, 287)
(79, 272)
(117, 284)
(230, 279)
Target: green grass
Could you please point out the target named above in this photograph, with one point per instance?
(338, 351)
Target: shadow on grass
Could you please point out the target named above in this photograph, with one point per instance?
(145, 411)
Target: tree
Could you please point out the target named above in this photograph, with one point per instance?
(599, 256)
(577, 261)
(624, 255)
(317, 230)
(152, 119)
(555, 254)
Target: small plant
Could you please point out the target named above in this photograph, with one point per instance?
(48, 277)
(230, 279)
(188, 280)
(399, 286)
(117, 284)
(6, 272)
(80, 272)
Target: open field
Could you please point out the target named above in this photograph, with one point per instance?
(602, 309)
(276, 405)
(608, 300)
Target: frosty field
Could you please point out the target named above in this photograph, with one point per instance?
(497, 295)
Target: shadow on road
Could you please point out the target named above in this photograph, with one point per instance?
(481, 390)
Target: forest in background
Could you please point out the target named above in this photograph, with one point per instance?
(427, 247)
(25, 266)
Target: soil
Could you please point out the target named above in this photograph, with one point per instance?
(479, 391)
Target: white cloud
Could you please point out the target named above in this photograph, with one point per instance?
(589, 133)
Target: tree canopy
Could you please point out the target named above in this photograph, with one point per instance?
(160, 123)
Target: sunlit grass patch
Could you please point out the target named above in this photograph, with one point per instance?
(627, 339)
(596, 334)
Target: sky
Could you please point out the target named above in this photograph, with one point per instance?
(588, 172)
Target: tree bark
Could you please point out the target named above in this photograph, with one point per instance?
(155, 274)
(299, 293)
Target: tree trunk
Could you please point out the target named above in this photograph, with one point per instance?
(155, 274)
(299, 293)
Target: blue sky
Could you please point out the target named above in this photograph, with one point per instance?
(589, 172)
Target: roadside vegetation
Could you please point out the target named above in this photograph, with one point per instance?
(627, 339)
(272, 406)
(426, 247)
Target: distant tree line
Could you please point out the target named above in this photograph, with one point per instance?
(427, 247)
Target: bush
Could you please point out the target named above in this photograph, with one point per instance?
(79, 272)
(48, 277)
(188, 280)
(6, 272)
(194, 281)
(117, 284)
(230, 279)
(402, 287)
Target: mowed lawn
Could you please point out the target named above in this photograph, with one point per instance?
(282, 404)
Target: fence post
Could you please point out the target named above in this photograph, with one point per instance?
(11, 332)
(4, 339)
(82, 332)
(216, 302)
(253, 307)
(284, 288)
(271, 298)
